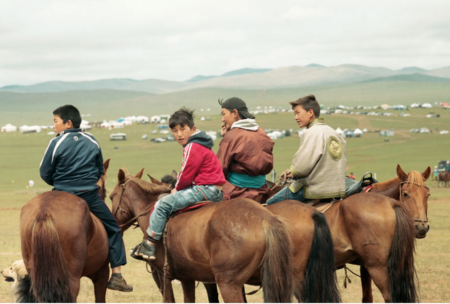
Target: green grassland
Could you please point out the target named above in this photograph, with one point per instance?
(20, 156)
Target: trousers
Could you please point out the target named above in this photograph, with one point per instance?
(178, 201)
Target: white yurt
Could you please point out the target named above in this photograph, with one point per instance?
(9, 128)
(142, 119)
(155, 119)
(339, 131)
(29, 129)
(358, 133)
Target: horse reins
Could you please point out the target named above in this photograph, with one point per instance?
(125, 211)
(423, 222)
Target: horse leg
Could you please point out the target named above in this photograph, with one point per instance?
(366, 284)
(100, 280)
(167, 290)
(74, 283)
(188, 291)
(213, 294)
(231, 292)
(380, 277)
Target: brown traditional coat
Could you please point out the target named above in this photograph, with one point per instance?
(246, 152)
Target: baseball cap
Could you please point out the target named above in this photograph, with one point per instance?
(238, 104)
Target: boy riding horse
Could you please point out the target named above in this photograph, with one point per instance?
(318, 167)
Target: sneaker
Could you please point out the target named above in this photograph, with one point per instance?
(119, 284)
(146, 250)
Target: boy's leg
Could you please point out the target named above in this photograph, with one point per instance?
(169, 204)
(117, 255)
(286, 194)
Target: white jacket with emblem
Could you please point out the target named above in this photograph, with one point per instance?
(319, 165)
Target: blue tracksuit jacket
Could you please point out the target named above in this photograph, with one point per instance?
(72, 162)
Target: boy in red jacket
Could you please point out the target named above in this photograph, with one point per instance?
(200, 178)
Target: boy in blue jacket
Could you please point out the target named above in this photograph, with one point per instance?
(73, 163)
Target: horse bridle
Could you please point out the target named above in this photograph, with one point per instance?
(423, 222)
(134, 219)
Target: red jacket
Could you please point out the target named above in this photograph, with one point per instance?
(200, 165)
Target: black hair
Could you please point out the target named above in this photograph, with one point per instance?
(231, 111)
(69, 112)
(182, 117)
(308, 102)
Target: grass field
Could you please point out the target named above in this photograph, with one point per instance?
(20, 155)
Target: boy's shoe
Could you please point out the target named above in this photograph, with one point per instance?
(146, 250)
(119, 284)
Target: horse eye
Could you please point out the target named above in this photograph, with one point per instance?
(405, 194)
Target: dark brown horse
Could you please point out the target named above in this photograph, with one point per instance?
(61, 242)
(444, 178)
(313, 258)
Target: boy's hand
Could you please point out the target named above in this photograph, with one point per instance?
(224, 129)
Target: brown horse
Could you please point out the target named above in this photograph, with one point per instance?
(377, 232)
(313, 258)
(444, 178)
(231, 243)
(411, 191)
(61, 242)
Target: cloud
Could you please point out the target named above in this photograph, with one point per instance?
(83, 40)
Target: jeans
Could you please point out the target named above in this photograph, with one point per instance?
(98, 207)
(281, 196)
(178, 201)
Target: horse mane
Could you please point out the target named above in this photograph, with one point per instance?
(414, 177)
(149, 188)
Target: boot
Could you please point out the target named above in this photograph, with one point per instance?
(119, 284)
(147, 250)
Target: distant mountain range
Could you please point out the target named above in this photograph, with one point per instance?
(249, 79)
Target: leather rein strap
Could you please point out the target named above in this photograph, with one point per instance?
(134, 219)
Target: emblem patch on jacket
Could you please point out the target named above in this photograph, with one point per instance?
(334, 148)
(75, 138)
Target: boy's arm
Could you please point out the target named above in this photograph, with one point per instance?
(47, 167)
(192, 160)
(306, 158)
(225, 156)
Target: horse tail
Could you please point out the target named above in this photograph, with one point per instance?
(277, 268)
(49, 278)
(22, 292)
(402, 272)
(321, 282)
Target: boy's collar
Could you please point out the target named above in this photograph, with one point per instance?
(68, 131)
(316, 121)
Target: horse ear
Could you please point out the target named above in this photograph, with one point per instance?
(174, 174)
(426, 174)
(154, 180)
(121, 177)
(106, 165)
(139, 175)
(401, 174)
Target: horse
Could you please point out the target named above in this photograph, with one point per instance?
(227, 243)
(378, 233)
(410, 192)
(62, 241)
(443, 177)
(313, 258)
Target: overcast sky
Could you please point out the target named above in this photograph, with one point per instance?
(175, 40)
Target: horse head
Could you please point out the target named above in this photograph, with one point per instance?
(133, 199)
(414, 193)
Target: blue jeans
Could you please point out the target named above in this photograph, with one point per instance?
(281, 196)
(178, 201)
